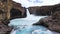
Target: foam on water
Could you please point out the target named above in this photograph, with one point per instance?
(24, 25)
(21, 23)
(29, 20)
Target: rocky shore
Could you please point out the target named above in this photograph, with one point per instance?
(4, 29)
(51, 22)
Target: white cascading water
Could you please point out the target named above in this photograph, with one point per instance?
(25, 24)
(29, 20)
(21, 23)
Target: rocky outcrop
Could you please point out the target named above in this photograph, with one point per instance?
(51, 22)
(8, 7)
(4, 29)
(44, 10)
(17, 11)
(9, 10)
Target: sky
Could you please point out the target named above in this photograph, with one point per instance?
(28, 3)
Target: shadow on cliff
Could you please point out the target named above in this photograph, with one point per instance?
(15, 13)
(44, 10)
(52, 22)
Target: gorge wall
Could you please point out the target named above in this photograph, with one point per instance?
(51, 22)
(44, 10)
(9, 10)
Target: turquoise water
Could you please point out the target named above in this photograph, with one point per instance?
(34, 30)
(24, 25)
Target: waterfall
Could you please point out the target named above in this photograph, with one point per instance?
(28, 14)
(33, 17)
(29, 20)
(24, 25)
(21, 23)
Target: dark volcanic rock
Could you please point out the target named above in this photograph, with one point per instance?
(52, 22)
(17, 11)
(44, 10)
(4, 29)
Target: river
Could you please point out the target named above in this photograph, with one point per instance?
(24, 25)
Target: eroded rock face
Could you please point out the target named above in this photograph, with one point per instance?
(52, 22)
(4, 29)
(17, 11)
(9, 10)
(44, 10)
(8, 6)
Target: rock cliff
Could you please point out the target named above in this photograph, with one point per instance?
(44, 10)
(9, 10)
(51, 22)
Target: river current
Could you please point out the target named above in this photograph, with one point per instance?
(24, 25)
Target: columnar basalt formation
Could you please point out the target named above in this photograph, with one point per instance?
(9, 10)
(44, 10)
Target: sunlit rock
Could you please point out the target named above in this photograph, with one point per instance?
(8, 7)
(9, 10)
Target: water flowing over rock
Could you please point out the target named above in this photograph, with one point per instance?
(44, 10)
(24, 25)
